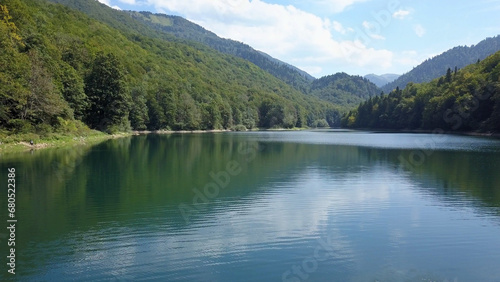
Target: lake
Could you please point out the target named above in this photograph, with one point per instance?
(326, 205)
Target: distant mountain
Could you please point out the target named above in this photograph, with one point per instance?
(437, 66)
(179, 30)
(468, 100)
(187, 30)
(66, 70)
(343, 89)
(381, 80)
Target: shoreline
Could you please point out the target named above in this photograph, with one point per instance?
(144, 132)
(424, 131)
(24, 146)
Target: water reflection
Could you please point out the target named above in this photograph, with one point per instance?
(112, 210)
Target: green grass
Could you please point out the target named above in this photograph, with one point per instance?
(21, 142)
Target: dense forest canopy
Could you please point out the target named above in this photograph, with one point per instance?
(62, 69)
(185, 29)
(457, 57)
(462, 100)
(68, 67)
(344, 89)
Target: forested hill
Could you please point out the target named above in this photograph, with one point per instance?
(183, 28)
(61, 68)
(178, 29)
(435, 67)
(344, 89)
(175, 28)
(467, 100)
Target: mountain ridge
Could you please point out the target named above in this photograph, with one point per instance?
(459, 57)
(338, 88)
(183, 28)
(465, 100)
(64, 69)
(383, 79)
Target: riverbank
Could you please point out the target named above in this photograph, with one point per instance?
(17, 143)
(213, 131)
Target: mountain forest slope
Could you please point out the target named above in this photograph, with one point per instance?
(62, 69)
(466, 100)
(435, 67)
(344, 89)
(178, 29)
(175, 28)
(185, 29)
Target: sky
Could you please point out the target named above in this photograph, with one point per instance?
(324, 37)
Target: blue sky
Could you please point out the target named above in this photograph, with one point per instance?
(323, 37)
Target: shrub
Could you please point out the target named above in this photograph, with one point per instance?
(240, 127)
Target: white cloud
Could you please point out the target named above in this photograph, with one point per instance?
(401, 14)
(367, 25)
(105, 2)
(377, 37)
(373, 30)
(284, 32)
(130, 2)
(338, 27)
(419, 30)
(108, 3)
(312, 70)
(334, 6)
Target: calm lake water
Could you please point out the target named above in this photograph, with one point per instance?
(259, 206)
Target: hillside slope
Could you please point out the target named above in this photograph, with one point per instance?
(185, 29)
(63, 67)
(468, 100)
(437, 66)
(175, 28)
(343, 89)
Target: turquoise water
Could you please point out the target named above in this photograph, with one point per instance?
(259, 206)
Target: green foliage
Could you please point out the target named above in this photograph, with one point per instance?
(115, 72)
(184, 29)
(343, 89)
(321, 123)
(108, 95)
(240, 127)
(457, 57)
(464, 101)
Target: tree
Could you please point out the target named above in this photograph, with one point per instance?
(448, 76)
(188, 115)
(14, 70)
(107, 92)
(139, 111)
(43, 103)
(73, 91)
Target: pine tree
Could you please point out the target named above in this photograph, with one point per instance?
(448, 76)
